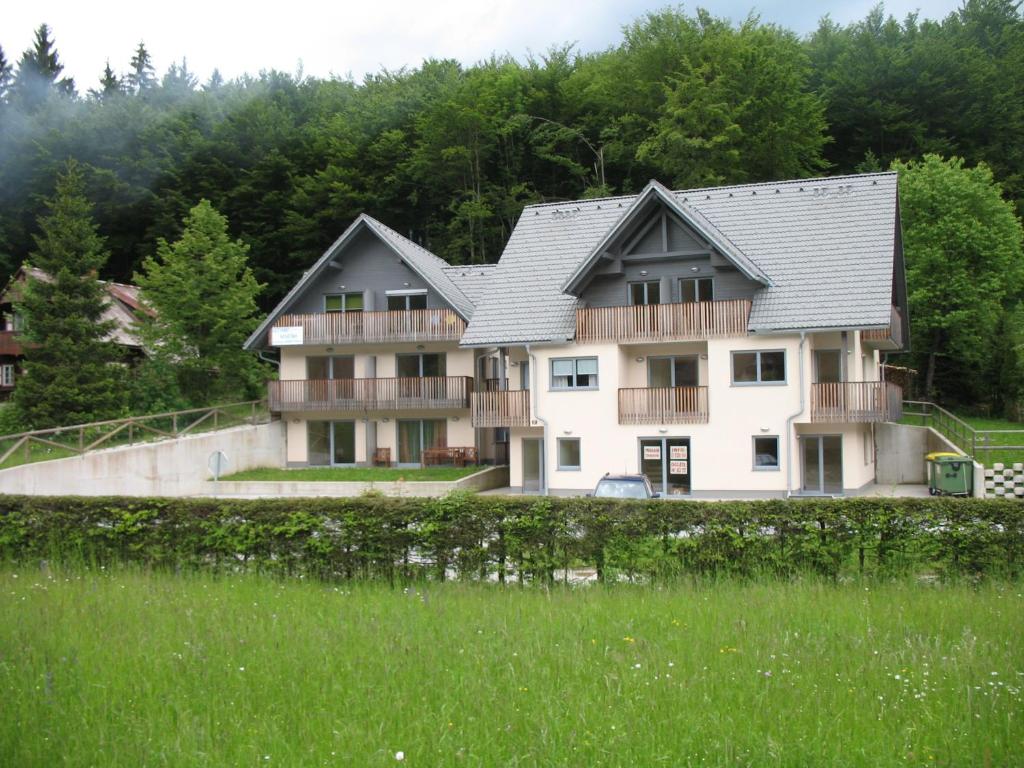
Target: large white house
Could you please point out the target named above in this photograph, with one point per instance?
(724, 342)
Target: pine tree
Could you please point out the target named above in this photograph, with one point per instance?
(39, 71)
(5, 76)
(204, 296)
(70, 376)
(142, 77)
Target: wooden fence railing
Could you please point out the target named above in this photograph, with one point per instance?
(370, 327)
(61, 442)
(856, 401)
(501, 408)
(663, 405)
(405, 393)
(663, 322)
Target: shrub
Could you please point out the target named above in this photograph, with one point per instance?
(523, 538)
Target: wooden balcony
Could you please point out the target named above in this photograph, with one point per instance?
(326, 328)
(856, 401)
(501, 408)
(663, 405)
(691, 321)
(400, 394)
(9, 344)
(886, 339)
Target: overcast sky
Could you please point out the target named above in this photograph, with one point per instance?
(356, 38)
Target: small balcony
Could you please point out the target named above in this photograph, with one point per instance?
(691, 321)
(9, 344)
(663, 405)
(398, 394)
(856, 402)
(501, 408)
(337, 328)
(886, 339)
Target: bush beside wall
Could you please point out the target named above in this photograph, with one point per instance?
(522, 538)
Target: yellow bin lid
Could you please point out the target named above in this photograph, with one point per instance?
(944, 454)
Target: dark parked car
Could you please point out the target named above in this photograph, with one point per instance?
(625, 487)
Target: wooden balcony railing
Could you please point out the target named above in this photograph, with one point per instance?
(495, 385)
(663, 322)
(501, 408)
(663, 405)
(9, 344)
(885, 338)
(856, 401)
(376, 327)
(428, 392)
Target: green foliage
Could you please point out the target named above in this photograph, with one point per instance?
(525, 538)
(70, 373)
(965, 266)
(203, 296)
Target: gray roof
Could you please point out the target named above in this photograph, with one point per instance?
(431, 268)
(472, 279)
(824, 246)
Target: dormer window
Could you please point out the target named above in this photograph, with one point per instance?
(343, 302)
(406, 300)
(696, 289)
(647, 292)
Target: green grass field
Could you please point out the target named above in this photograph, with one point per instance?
(128, 669)
(360, 474)
(988, 453)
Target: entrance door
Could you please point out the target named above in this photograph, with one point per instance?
(533, 468)
(331, 442)
(666, 462)
(822, 460)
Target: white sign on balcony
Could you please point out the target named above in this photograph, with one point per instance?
(286, 336)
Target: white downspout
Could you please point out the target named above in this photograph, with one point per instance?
(544, 423)
(791, 419)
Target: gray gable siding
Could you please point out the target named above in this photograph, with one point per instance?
(612, 290)
(368, 266)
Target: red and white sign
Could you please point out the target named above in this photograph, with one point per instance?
(678, 467)
(652, 453)
(677, 452)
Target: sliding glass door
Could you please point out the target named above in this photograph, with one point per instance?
(331, 443)
(416, 434)
(822, 463)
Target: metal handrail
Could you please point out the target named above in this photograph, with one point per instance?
(965, 437)
(217, 414)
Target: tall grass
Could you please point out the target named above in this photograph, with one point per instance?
(128, 668)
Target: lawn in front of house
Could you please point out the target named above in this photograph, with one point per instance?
(355, 474)
(988, 445)
(123, 668)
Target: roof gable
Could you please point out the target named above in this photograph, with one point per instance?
(635, 216)
(430, 268)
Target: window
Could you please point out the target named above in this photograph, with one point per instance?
(524, 374)
(672, 371)
(7, 375)
(420, 365)
(343, 302)
(406, 300)
(645, 293)
(574, 373)
(697, 289)
(768, 367)
(766, 452)
(568, 453)
(337, 367)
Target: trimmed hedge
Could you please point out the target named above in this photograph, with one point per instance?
(524, 538)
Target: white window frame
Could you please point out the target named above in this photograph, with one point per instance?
(7, 375)
(758, 382)
(575, 374)
(778, 453)
(558, 454)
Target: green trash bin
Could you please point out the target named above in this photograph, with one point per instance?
(949, 474)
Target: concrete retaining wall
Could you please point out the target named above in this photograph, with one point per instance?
(485, 479)
(900, 451)
(165, 468)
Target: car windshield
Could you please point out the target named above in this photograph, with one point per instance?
(621, 489)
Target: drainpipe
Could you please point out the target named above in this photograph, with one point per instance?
(791, 419)
(544, 423)
(270, 360)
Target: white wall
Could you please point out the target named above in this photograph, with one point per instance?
(722, 449)
(165, 468)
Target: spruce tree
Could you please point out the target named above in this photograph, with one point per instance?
(204, 296)
(39, 71)
(5, 76)
(142, 76)
(70, 376)
(110, 85)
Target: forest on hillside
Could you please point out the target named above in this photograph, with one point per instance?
(449, 154)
